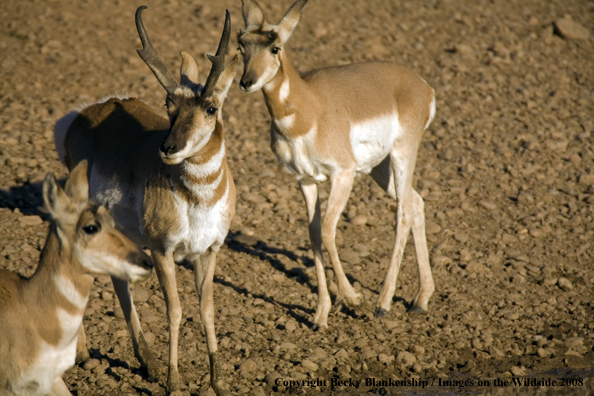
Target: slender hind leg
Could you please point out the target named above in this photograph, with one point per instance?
(426, 285)
(410, 213)
(141, 349)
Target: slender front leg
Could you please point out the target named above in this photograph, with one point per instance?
(339, 195)
(141, 349)
(165, 268)
(310, 194)
(204, 268)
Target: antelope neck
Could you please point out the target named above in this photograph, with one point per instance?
(58, 287)
(286, 85)
(198, 176)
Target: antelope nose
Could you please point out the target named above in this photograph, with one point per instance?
(246, 84)
(148, 263)
(167, 149)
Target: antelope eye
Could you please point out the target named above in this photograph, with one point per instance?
(275, 50)
(211, 110)
(91, 229)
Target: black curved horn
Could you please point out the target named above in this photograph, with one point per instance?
(218, 61)
(150, 56)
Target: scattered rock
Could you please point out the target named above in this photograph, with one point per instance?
(431, 227)
(570, 29)
(309, 365)
(359, 220)
(488, 205)
(565, 284)
(518, 371)
(30, 220)
(405, 358)
(350, 256)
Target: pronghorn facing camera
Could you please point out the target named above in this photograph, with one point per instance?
(167, 182)
(41, 316)
(332, 123)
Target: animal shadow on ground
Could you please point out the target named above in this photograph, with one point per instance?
(27, 198)
(252, 246)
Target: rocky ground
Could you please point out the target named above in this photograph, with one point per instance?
(506, 170)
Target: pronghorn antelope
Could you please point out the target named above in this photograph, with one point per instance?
(40, 317)
(167, 181)
(331, 123)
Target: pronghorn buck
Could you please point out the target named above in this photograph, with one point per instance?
(332, 123)
(40, 317)
(167, 181)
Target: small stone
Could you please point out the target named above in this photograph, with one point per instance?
(150, 318)
(570, 29)
(291, 326)
(541, 353)
(406, 358)
(351, 257)
(518, 371)
(248, 366)
(488, 205)
(462, 238)
(549, 281)
(389, 324)
(309, 365)
(245, 239)
(30, 220)
(586, 180)
(91, 364)
(565, 284)
(464, 50)
(386, 359)
(441, 260)
(477, 268)
(359, 220)
(270, 378)
(107, 296)
(140, 294)
(431, 227)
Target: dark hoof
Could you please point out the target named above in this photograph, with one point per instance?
(319, 329)
(415, 309)
(380, 312)
(147, 359)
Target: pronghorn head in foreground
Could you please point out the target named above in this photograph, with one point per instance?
(87, 231)
(262, 44)
(194, 109)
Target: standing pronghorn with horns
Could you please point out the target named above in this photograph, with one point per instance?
(167, 182)
(40, 317)
(331, 123)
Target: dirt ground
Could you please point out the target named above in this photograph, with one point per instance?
(506, 170)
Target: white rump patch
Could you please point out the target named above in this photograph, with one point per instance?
(372, 140)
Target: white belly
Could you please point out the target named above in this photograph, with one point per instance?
(372, 140)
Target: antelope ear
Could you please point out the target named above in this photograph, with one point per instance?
(252, 14)
(189, 75)
(290, 20)
(225, 80)
(57, 201)
(77, 185)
